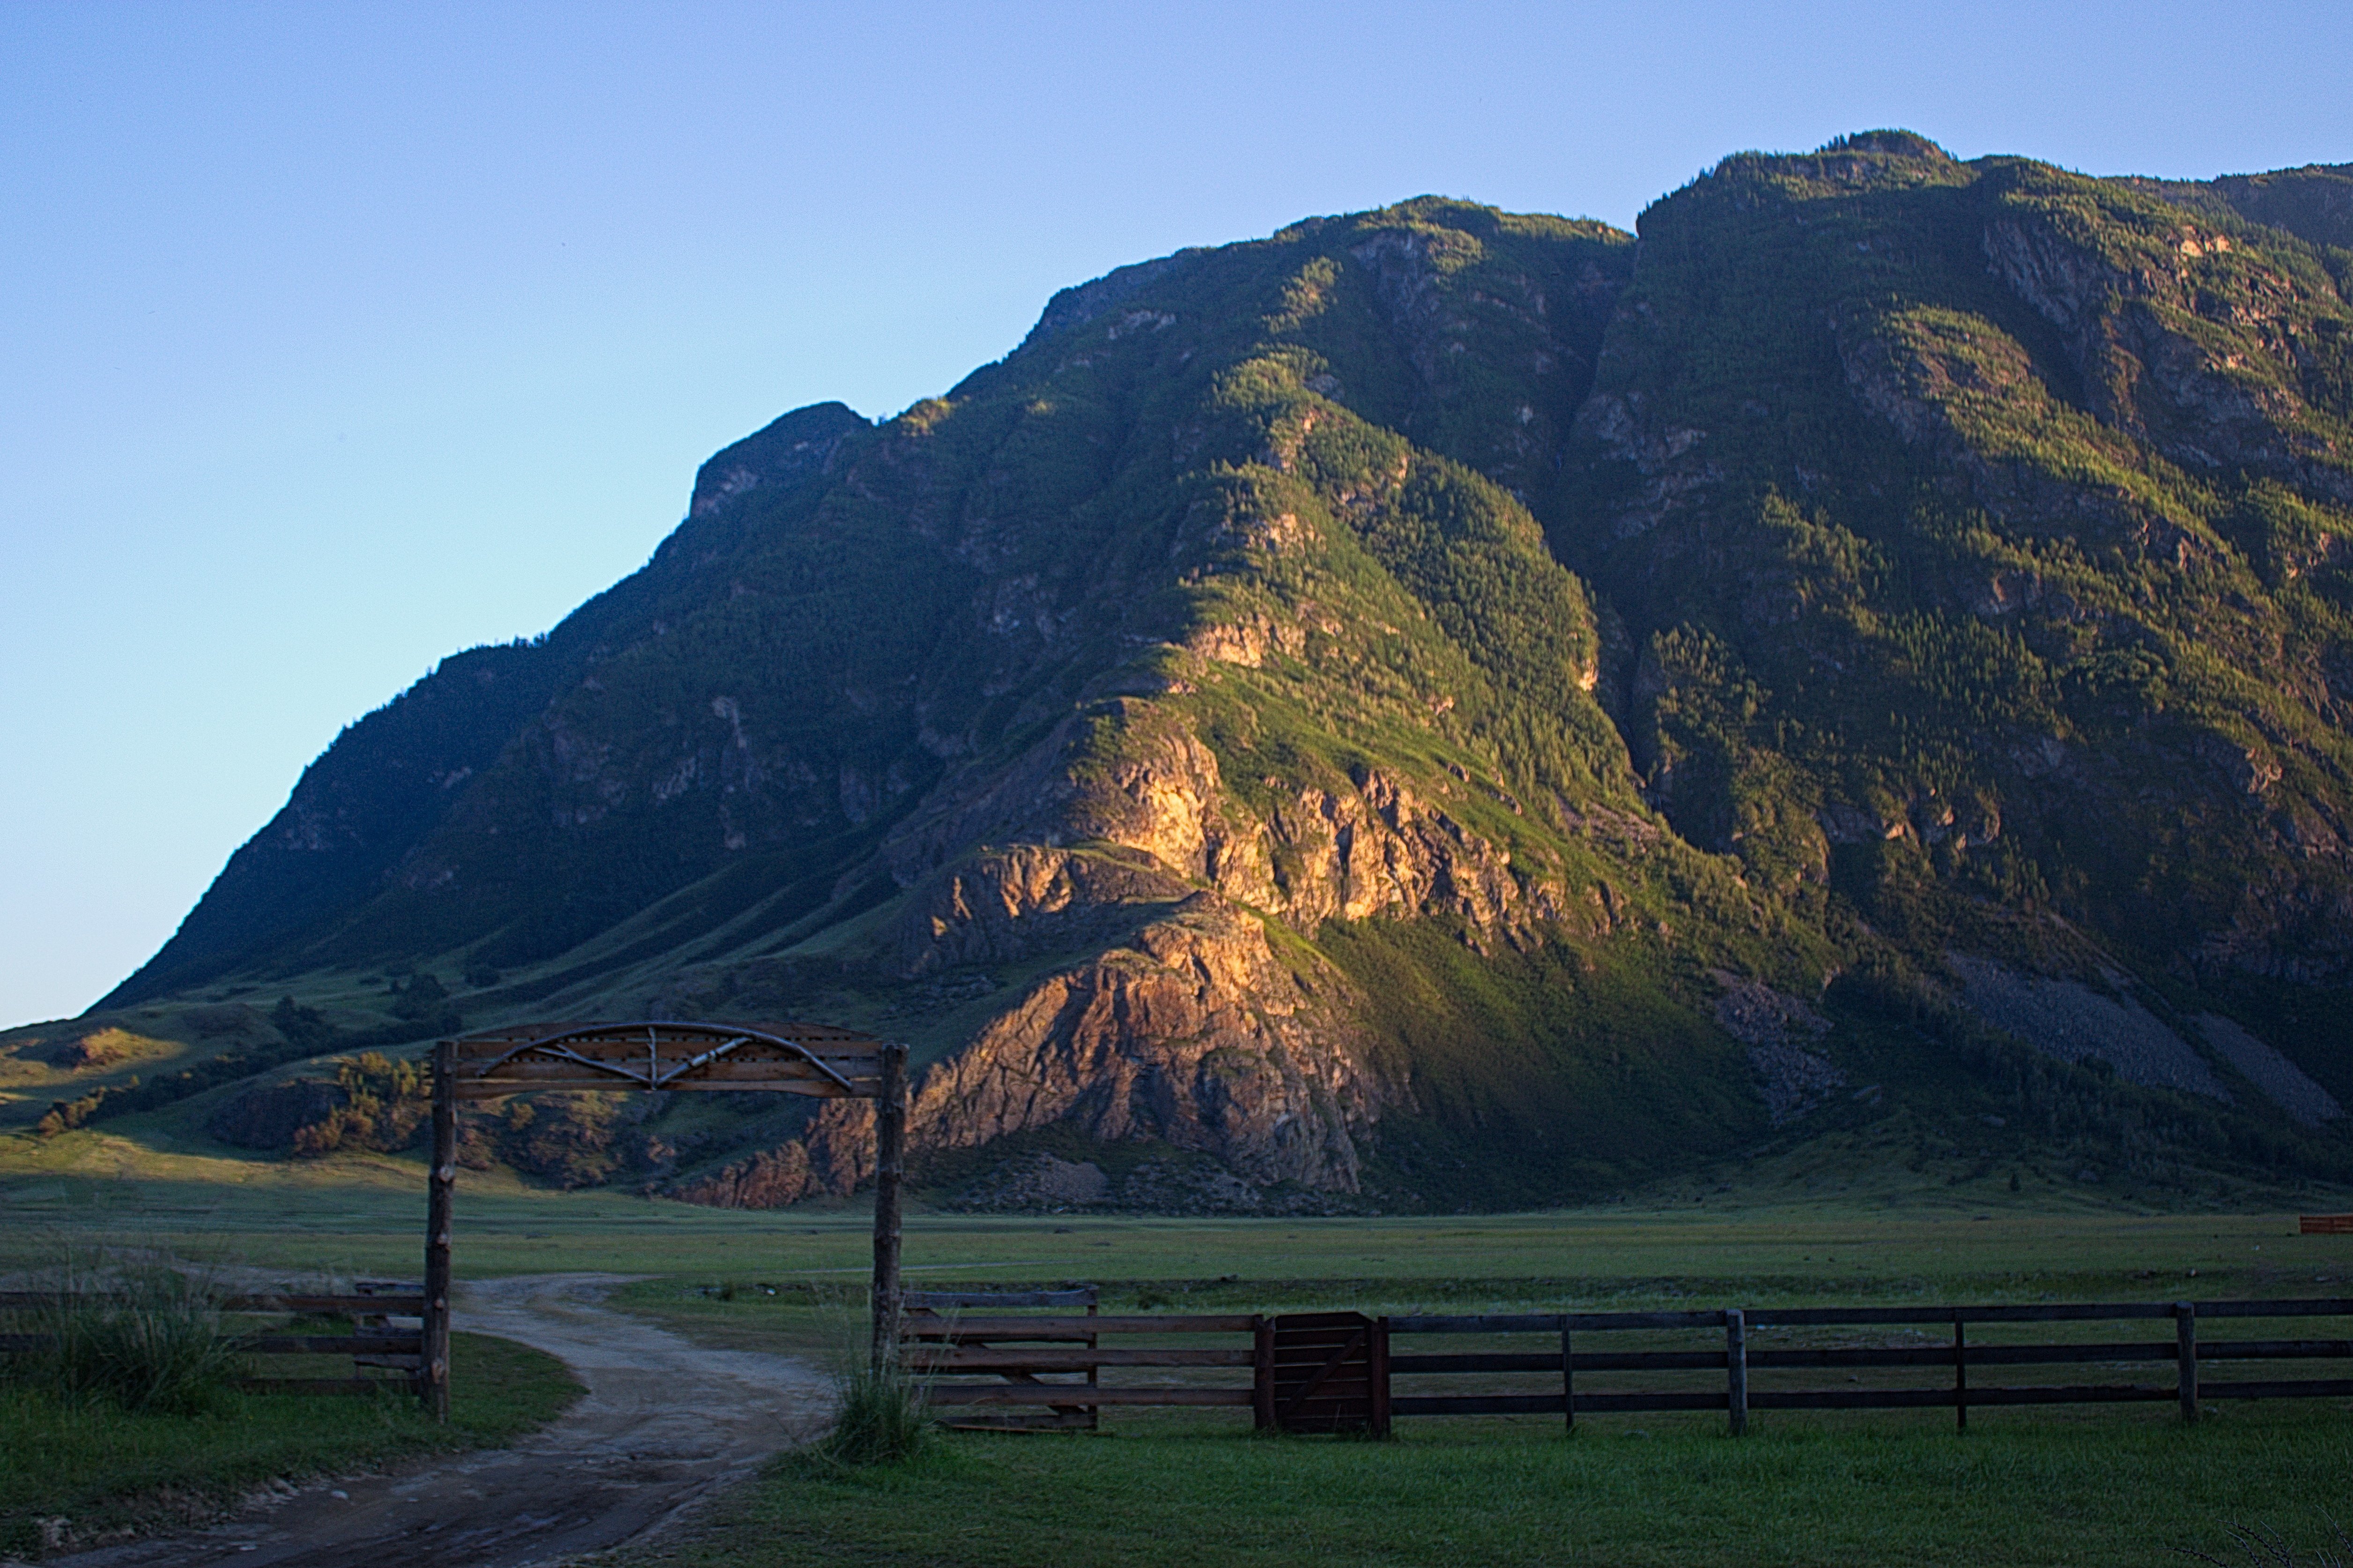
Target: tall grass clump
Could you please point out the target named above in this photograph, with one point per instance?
(148, 1337)
(879, 1416)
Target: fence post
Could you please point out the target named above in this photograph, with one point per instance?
(889, 1165)
(440, 1193)
(1736, 1368)
(1263, 1374)
(1377, 1370)
(2185, 1339)
(1961, 1376)
(1567, 1379)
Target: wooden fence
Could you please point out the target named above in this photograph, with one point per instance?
(1339, 1371)
(2323, 1225)
(979, 1353)
(373, 1344)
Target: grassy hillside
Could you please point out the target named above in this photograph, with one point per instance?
(1435, 708)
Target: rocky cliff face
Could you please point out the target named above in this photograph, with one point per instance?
(1446, 706)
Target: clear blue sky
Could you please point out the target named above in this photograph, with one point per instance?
(335, 338)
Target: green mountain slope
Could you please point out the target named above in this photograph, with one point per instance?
(1442, 707)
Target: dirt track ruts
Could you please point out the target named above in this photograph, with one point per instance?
(663, 1425)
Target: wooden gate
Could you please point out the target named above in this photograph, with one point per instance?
(1324, 1371)
(661, 1056)
(936, 1345)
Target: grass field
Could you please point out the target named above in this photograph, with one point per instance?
(2049, 1486)
(2022, 1491)
(2077, 1485)
(89, 1469)
(365, 1217)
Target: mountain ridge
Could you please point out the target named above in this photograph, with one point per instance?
(1443, 706)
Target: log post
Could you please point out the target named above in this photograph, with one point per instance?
(1263, 1374)
(1961, 1376)
(1567, 1380)
(2185, 1342)
(440, 1193)
(889, 1168)
(1736, 1368)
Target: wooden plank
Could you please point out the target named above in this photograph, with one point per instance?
(1481, 1404)
(939, 1300)
(399, 1306)
(2310, 1388)
(814, 1084)
(1855, 1398)
(1583, 1361)
(2094, 1394)
(1942, 1355)
(586, 1057)
(392, 1306)
(2274, 1350)
(333, 1344)
(968, 1358)
(1080, 1394)
(1303, 1323)
(1859, 1356)
(832, 1037)
(323, 1385)
(1860, 1317)
(1425, 1366)
(1693, 1400)
(2323, 1225)
(1065, 1325)
(1550, 1322)
(1478, 1323)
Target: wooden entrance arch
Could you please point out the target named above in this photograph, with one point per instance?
(817, 1059)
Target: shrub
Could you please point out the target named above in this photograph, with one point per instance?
(879, 1416)
(881, 1419)
(148, 1339)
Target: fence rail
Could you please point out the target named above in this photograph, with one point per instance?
(1330, 1371)
(375, 1344)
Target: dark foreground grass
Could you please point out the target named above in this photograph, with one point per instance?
(75, 1471)
(2034, 1488)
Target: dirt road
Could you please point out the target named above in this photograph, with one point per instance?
(664, 1424)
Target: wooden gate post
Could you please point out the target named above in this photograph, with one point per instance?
(1263, 1374)
(1736, 1368)
(889, 1167)
(440, 1192)
(1961, 1376)
(2185, 1342)
(1567, 1380)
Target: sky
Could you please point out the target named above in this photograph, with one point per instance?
(335, 338)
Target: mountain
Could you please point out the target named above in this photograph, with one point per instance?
(1440, 707)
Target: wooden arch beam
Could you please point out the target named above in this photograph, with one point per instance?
(662, 1056)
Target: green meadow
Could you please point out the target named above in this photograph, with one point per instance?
(2122, 1485)
(2030, 1491)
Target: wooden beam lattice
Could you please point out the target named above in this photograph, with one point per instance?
(661, 1055)
(818, 1059)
